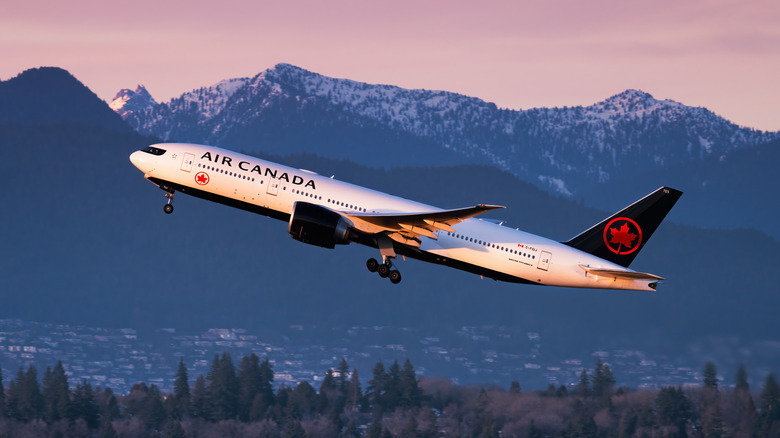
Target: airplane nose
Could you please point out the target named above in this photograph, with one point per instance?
(138, 160)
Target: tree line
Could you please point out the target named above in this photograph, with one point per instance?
(242, 401)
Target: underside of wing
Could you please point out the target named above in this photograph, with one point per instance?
(407, 228)
(628, 275)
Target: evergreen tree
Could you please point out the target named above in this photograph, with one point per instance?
(743, 404)
(514, 387)
(741, 379)
(628, 423)
(603, 382)
(56, 394)
(712, 424)
(674, 409)
(583, 424)
(484, 423)
(303, 401)
(84, 405)
(293, 429)
(134, 401)
(328, 393)
(173, 429)
(110, 411)
(583, 387)
(249, 381)
(223, 388)
(181, 392)
(33, 389)
(281, 403)
(710, 375)
(267, 384)
(769, 408)
(153, 412)
(596, 381)
(375, 391)
(200, 405)
(24, 401)
(354, 399)
(2, 395)
(411, 394)
(393, 390)
(331, 399)
(343, 380)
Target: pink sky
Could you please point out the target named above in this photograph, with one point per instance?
(720, 54)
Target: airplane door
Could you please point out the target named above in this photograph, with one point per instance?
(544, 260)
(186, 163)
(273, 187)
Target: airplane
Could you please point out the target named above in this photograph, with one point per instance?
(326, 212)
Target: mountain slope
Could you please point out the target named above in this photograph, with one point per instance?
(287, 109)
(128, 102)
(117, 260)
(52, 95)
(735, 190)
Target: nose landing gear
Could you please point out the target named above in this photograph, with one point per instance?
(168, 208)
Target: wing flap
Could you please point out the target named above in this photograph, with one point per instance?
(410, 226)
(422, 231)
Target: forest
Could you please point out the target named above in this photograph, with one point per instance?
(243, 401)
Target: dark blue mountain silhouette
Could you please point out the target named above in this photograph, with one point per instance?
(85, 241)
(52, 95)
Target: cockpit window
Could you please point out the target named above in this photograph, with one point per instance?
(153, 150)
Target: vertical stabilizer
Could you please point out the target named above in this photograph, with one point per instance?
(620, 237)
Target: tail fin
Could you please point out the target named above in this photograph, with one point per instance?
(620, 237)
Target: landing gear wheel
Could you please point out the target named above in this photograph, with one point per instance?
(395, 277)
(168, 208)
(372, 265)
(383, 271)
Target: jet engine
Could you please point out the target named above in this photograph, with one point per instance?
(317, 225)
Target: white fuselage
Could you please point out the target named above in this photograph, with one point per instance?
(477, 245)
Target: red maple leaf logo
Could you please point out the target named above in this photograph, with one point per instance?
(202, 178)
(625, 238)
(622, 236)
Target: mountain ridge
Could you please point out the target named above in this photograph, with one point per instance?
(559, 149)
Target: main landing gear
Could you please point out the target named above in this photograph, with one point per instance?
(168, 208)
(384, 270)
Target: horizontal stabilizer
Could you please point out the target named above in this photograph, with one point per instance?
(627, 275)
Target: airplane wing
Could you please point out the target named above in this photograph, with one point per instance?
(628, 275)
(406, 228)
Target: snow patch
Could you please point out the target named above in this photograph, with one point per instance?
(556, 184)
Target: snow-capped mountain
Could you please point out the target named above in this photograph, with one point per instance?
(128, 102)
(287, 109)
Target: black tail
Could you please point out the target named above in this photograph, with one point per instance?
(620, 237)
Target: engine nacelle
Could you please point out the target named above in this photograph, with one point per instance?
(317, 225)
